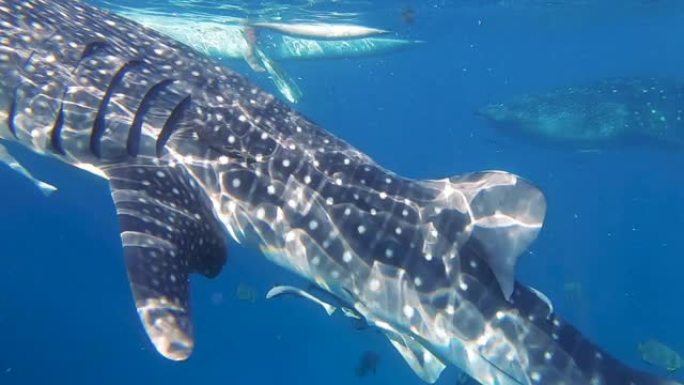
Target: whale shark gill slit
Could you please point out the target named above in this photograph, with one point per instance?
(99, 125)
(56, 132)
(135, 132)
(12, 112)
(172, 123)
(91, 49)
(168, 231)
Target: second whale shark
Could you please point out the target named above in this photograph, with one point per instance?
(193, 152)
(608, 112)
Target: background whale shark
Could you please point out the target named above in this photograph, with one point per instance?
(606, 112)
(193, 152)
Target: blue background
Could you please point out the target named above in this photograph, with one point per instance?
(614, 224)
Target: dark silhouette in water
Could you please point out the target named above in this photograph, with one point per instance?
(367, 364)
(613, 111)
(408, 15)
(246, 293)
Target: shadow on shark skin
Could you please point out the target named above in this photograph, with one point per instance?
(611, 113)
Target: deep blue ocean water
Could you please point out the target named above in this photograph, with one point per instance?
(610, 256)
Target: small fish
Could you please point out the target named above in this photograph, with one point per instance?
(573, 290)
(408, 15)
(321, 30)
(246, 293)
(658, 354)
(368, 363)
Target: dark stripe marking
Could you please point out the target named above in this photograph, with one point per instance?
(171, 123)
(11, 113)
(135, 132)
(56, 132)
(28, 59)
(99, 126)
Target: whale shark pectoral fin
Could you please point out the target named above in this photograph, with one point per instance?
(425, 364)
(507, 213)
(168, 231)
(11, 162)
(277, 291)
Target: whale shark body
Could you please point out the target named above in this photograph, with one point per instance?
(194, 153)
(606, 112)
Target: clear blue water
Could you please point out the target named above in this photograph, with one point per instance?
(614, 224)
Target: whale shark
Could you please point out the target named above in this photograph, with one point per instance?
(609, 112)
(194, 154)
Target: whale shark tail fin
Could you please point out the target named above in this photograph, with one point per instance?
(500, 211)
(494, 216)
(556, 349)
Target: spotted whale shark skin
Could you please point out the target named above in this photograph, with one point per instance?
(194, 153)
(608, 112)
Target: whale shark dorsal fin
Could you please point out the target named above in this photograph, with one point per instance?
(505, 214)
(425, 364)
(168, 231)
(508, 214)
(7, 158)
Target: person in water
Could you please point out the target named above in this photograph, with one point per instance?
(252, 39)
